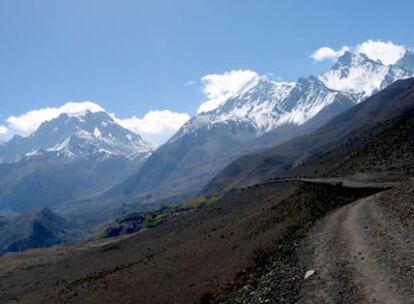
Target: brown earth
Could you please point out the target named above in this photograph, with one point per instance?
(177, 262)
(361, 253)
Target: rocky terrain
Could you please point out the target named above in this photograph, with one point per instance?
(325, 217)
(386, 114)
(206, 152)
(202, 250)
(35, 229)
(360, 253)
(262, 114)
(136, 221)
(67, 158)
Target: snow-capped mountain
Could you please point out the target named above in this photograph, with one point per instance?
(268, 105)
(68, 158)
(77, 136)
(359, 75)
(407, 61)
(268, 110)
(209, 141)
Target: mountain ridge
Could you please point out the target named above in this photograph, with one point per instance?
(66, 158)
(376, 110)
(36, 228)
(89, 133)
(210, 140)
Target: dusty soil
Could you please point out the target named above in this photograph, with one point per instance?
(176, 262)
(361, 253)
(200, 257)
(361, 256)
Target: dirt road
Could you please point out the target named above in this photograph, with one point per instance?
(360, 255)
(335, 180)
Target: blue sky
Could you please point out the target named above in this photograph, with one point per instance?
(132, 57)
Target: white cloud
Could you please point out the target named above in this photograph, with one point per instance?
(3, 130)
(189, 83)
(326, 53)
(219, 87)
(387, 52)
(156, 126)
(4, 134)
(28, 122)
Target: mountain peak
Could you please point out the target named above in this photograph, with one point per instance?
(407, 61)
(351, 59)
(77, 136)
(346, 58)
(357, 74)
(265, 105)
(33, 229)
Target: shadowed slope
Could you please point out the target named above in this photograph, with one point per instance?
(361, 120)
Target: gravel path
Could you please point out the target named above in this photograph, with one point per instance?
(360, 255)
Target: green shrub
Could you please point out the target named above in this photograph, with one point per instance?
(201, 201)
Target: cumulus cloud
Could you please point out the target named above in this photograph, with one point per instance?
(219, 87)
(387, 52)
(3, 130)
(326, 53)
(156, 126)
(4, 134)
(28, 122)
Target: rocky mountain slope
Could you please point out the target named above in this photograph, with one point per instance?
(388, 155)
(262, 114)
(407, 61)
(358, 74)
(67, 158)
(359, 253)
(35, 229)
(256, 244)
(75, 137)
(357, 123)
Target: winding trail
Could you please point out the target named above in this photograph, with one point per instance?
(360, 256)
(361, 253)
(338, 180)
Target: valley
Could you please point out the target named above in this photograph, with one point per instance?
(197, 250)
(256, 242)
(240, 153)
(360, 253)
